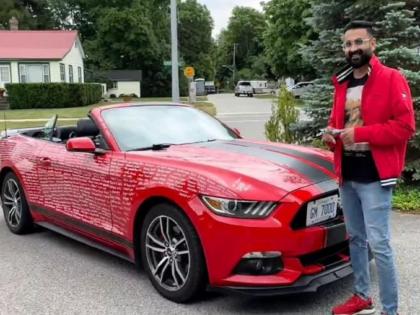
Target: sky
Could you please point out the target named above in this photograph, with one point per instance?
(221, 10)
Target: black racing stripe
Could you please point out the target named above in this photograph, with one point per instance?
(81, 225)
(314, 174)
(328, 186)
(305, 155)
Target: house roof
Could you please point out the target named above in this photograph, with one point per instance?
(124, 75)
(18, 45)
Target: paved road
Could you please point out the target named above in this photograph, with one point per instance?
(45, 273)
(248, 114)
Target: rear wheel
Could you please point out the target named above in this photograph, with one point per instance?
(171, 254)
(15, 207)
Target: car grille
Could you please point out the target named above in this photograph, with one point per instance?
(299, 221)
(328, 257)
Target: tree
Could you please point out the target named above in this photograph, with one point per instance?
(195, 41)
(244, 36)
(31, 14)
(398, 34)
(286, 32)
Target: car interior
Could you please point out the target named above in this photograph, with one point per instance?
(85, 127)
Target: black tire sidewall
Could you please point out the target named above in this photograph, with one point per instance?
(196, 278)
(26, 221)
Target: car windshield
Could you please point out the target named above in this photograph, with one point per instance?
(138, 127)
(244, 83)
(49, 126)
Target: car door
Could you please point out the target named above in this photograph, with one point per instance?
(76, 187)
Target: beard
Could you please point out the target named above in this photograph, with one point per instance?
(359, 58)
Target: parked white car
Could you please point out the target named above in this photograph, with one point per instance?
(300, 88)
(244, 88)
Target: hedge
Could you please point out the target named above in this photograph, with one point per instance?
(52, 95)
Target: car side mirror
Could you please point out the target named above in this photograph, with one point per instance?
(82, 144)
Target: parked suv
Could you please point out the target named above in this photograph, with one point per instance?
(244, 87)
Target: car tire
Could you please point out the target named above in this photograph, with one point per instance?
(251, 95)
(236, 94)
(15, 207)
(171, 254)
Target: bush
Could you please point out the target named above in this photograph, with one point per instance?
(52, 95)
(407, 198)
(284, 115)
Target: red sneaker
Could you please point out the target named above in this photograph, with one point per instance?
(355, 305)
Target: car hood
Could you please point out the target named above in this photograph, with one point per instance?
(252, 163)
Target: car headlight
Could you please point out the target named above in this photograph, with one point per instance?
(239, 208)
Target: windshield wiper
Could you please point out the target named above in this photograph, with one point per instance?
(153, 147)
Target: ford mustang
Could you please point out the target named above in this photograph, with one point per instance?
(179, 193)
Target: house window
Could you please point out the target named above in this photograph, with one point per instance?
(62, 72)
(46, 69)
(79, 74)
(114, 84)
(34, 73)
(71, 74)
(4, 73)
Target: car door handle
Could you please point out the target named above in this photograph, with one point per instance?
(45, 161)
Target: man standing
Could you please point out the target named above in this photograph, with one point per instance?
(371, 122)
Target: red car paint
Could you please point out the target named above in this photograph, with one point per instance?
(99, 196)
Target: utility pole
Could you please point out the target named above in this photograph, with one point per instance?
(234, 63)
(174, 50)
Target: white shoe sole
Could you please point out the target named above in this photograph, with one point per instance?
(364, 312)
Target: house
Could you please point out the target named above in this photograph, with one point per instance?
(40, 56)
(124, 82)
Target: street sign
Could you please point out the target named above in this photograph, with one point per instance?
(189, 72)
(168, 63)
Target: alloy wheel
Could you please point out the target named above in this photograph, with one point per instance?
(167, 252)
(12, 202)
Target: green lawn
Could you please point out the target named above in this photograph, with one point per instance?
(265, 96)
(78, 112)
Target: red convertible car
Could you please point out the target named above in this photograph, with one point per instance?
(173, 189)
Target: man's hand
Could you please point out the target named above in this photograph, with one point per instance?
(328, 138)
(347, 136)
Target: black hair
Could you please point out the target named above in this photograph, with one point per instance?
(368, 26)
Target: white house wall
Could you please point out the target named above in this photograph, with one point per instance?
(14, 71)
(55, 72)
(74, 58)
(126, 88)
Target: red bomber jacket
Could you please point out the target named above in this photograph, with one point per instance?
(387, 112)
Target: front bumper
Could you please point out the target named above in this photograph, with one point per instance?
(305, 284)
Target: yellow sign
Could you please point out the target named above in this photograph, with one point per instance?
(189, 72)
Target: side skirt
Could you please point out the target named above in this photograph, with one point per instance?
(83, 240)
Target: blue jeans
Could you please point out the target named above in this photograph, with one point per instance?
(367, 208)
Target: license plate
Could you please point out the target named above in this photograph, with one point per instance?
(321, 210)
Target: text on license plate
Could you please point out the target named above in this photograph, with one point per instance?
(321, 210)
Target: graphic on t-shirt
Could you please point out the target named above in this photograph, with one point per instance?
(354, 116)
